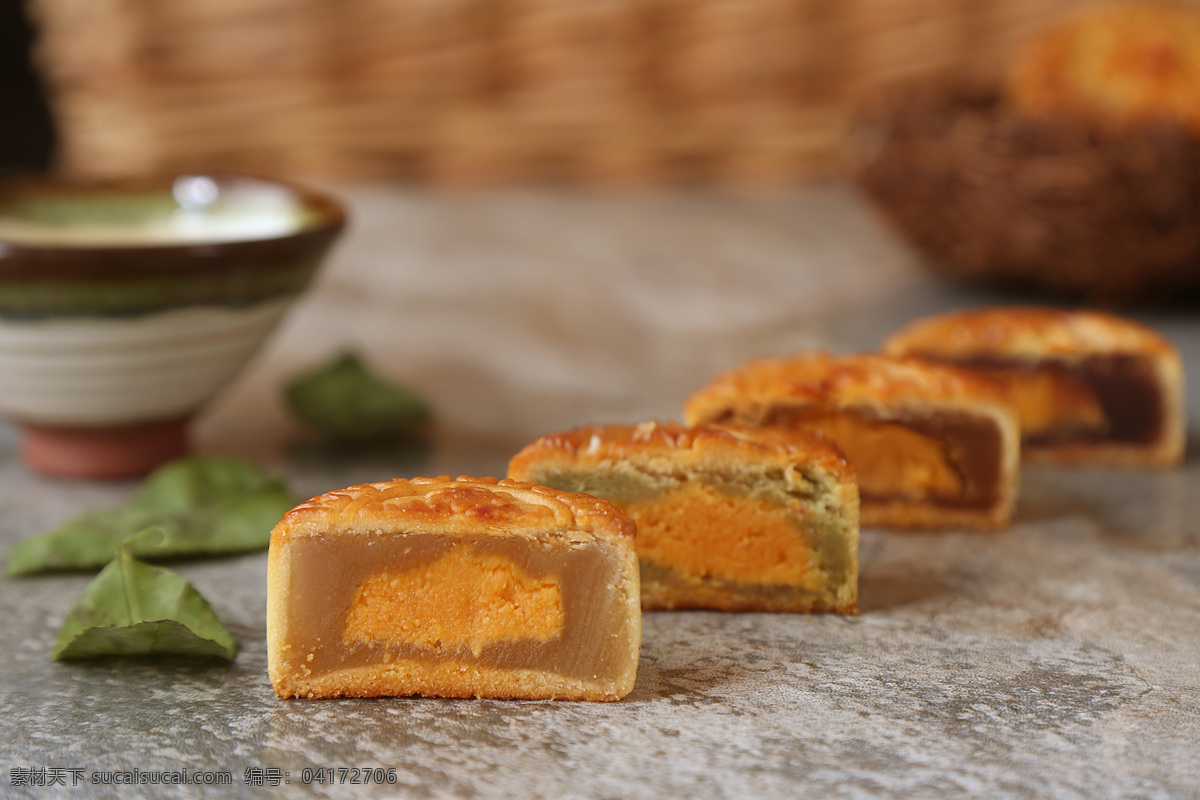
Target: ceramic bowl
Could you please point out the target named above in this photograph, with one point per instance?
(124, 307)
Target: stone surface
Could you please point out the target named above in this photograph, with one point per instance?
(1055, 659)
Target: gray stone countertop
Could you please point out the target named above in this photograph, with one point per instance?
(1058, 658)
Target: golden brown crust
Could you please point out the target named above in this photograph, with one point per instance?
(591, 445)
(454, 507)
(449, 679)
(865, 380)
(460, 507)
(1032, 337)
(1124, 63)
(1020, 331)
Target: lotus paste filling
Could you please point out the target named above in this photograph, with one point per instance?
(505, 602)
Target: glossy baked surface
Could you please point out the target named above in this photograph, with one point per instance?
(454, 507)
(838, 381)
(1026, 331)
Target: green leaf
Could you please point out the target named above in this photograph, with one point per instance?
(135, 609)
(204, 506)
(346, 401)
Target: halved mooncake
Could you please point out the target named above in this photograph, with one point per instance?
(933, 447)
(453, 588)
(738, 519)
(1088, 387)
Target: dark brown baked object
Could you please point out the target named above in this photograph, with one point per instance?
(933, 447)
(1058, 205)
(453, 588)
(1088, 387)
(731, 518)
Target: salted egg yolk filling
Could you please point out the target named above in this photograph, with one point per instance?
(461, 599)
(891, 460)
(699, 531)
(1045, 400)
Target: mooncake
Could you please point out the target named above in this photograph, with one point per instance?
(932, 446)
(1119, 63)
(731, 518)
(470, 587)
(1089, 387)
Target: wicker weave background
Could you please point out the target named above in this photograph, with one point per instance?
(478, 91)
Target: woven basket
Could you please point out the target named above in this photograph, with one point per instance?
(1066, 207)
(480, 91)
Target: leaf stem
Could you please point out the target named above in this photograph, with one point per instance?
(132, 605)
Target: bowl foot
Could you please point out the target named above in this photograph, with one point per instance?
(117, 451)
